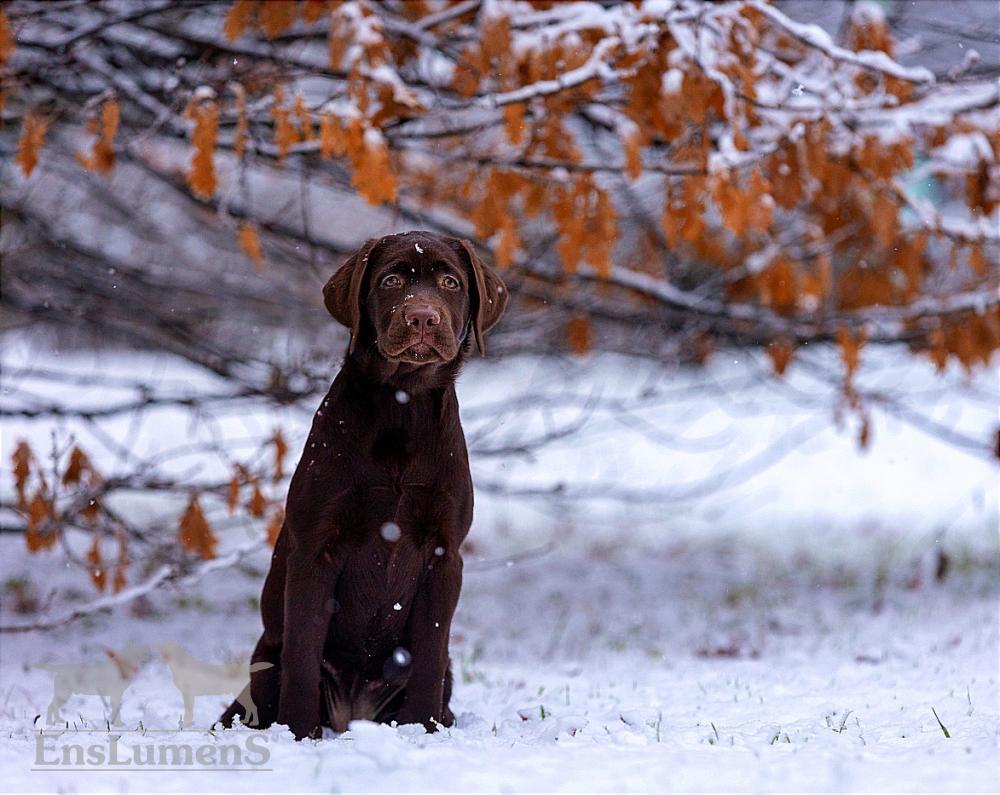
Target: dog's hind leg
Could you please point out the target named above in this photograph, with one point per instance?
(447, 716)
(265, 680)
(252, 718)
(188, 708)
(261, 693)
(52, 716)
(247, 709)
(116, 708)
(234, 710)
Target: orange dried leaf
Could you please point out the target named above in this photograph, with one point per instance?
(102, 154)
(732, 203)
(98, 572)
(304, 118)
(373, 177)
(30, 143)
(285, 133)
(233, 493)
(242, 126)
(274, 526)
(78, 467)
(122, 564)
(937, 349)
(39, 509)
(496, 38)
(312, 10)
(201, 176)
(865, 433)
(239, 17)
(91, 510)
(21, 459)
(7, 44)
(850, 348)
(509, 241)
(602, 231)
(275, 16)
(513, 116)
(761, 201)
(121, 582)
(280, 451)
(250, 243)
(194, 532)
(779, 284)
(578, 334)
(257, 504)
(884, 217)
(105, 153)
(331, 138)
(977, 259)
(633, 160)
(780, 351)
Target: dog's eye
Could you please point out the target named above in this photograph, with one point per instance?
(391, 282)
(449, 283)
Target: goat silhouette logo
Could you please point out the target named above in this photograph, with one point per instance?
(196, 678)
(110, 678)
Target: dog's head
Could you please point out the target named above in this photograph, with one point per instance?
(416, 297)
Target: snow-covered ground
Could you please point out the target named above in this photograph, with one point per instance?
(706, 631)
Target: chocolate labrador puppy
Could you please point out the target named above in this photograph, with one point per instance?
(366, 572)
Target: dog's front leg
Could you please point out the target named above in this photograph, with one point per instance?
(309, 586)
(428, 629)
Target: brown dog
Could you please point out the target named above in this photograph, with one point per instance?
(366, 572)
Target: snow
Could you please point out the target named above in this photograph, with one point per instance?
(390, 531)
(965, 150)
(202, 93)
(815, 36)
(373, 138)
(672, 81)
(867, 13)
(786, 633)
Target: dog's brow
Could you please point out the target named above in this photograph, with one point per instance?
(443, 263)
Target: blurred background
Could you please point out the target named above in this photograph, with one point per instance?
(789, 248)
(753, 255)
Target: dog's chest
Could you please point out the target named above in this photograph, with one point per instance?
(393, 449)
(375, 591)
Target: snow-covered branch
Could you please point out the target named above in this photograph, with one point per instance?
(165, 575)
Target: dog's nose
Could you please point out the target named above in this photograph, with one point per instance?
(421, 316)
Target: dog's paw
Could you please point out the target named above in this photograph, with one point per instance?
(423, 718)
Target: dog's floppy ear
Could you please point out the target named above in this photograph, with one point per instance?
(342, 293)
(488, 296)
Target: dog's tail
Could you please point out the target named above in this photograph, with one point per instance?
(348, 696)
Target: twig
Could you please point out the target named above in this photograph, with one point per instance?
(164, 574)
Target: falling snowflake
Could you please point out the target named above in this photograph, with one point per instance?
(417, 247)
(401, 657)
(391, 532)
